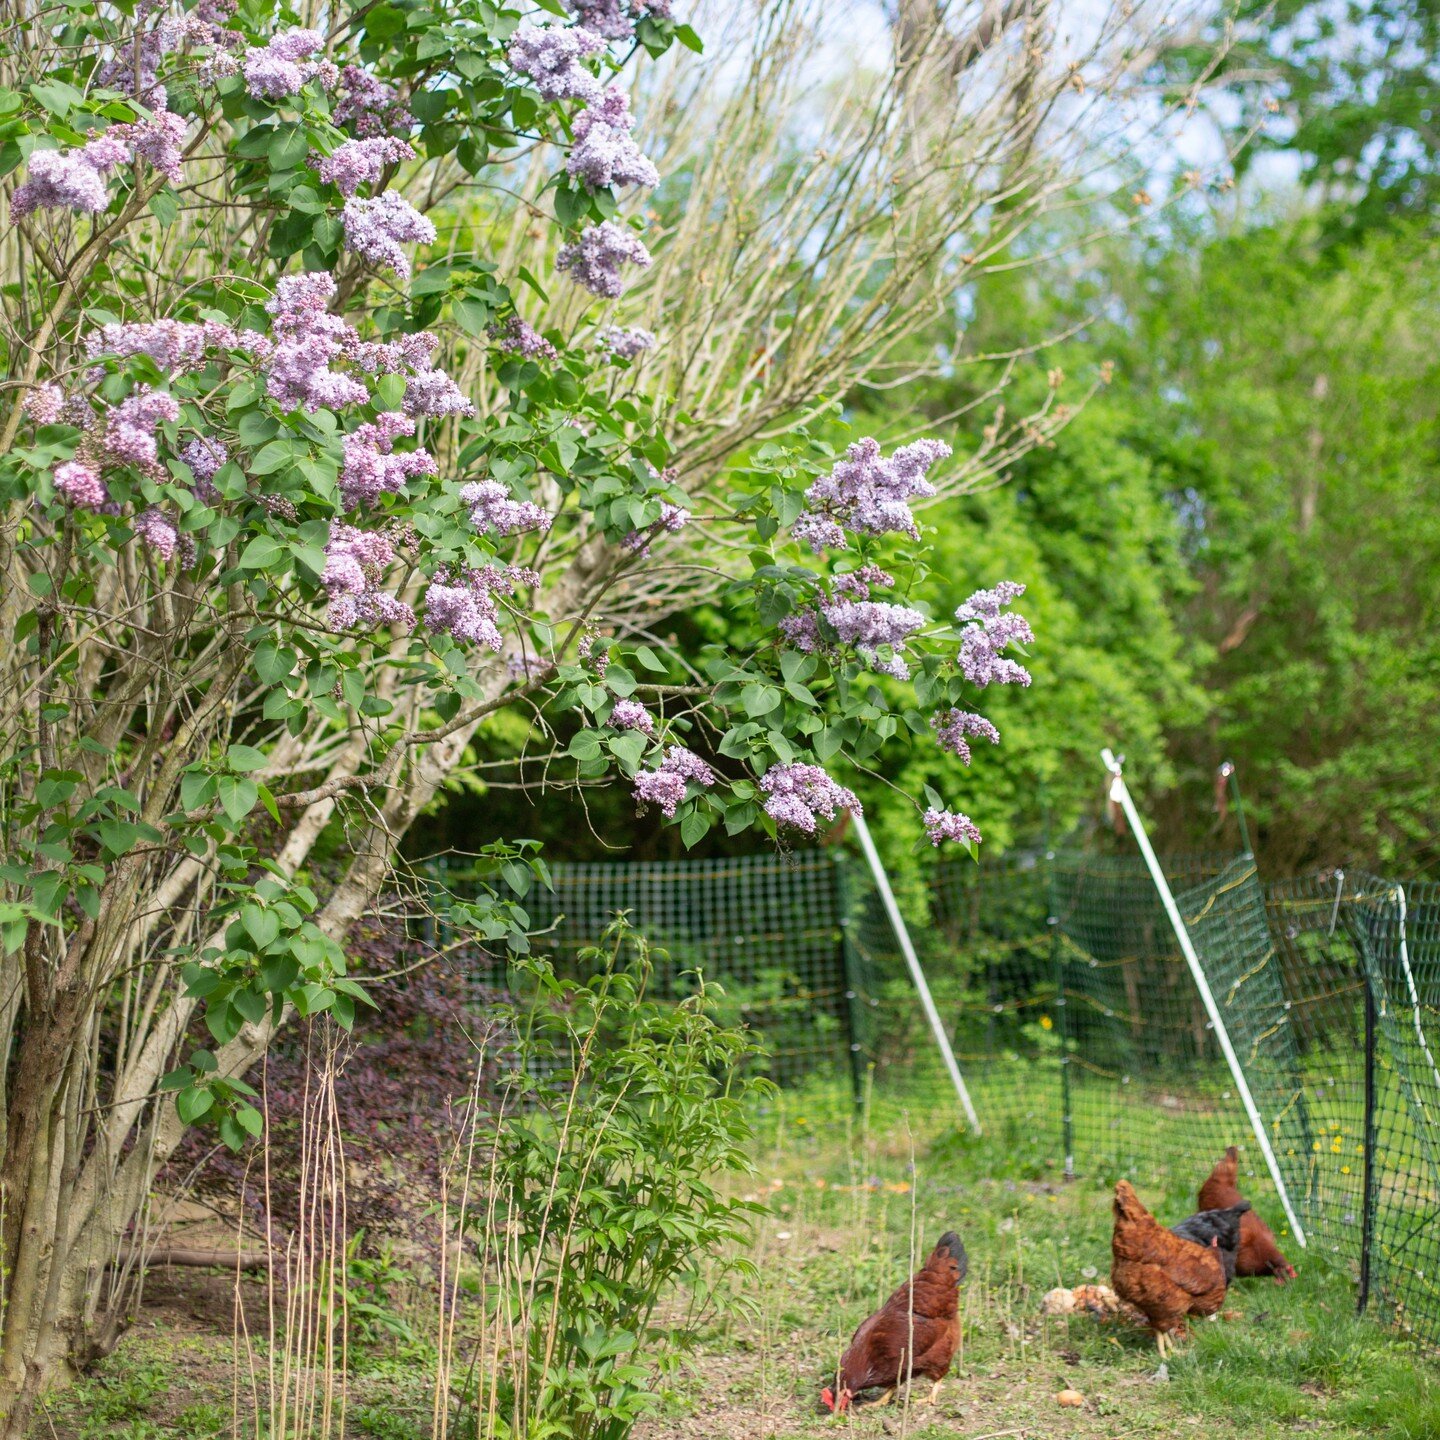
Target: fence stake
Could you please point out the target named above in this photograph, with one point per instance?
(902, 935)
(1121, 795)
(1414, 997)
(850, 974)
(1367, 1203)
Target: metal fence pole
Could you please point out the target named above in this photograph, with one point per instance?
(907, 949)
(1367, 1204)
(1057, 962)
(850, 978)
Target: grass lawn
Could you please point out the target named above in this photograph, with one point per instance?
(851, 1206)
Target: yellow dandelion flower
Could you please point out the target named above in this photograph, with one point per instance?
(1046, 1023)
(1316, 1147)
(1344, 1169)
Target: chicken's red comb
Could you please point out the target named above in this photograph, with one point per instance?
(827, 1398)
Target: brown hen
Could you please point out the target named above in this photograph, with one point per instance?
(1163, 1275)
(1258, 1253)
(921, 1317)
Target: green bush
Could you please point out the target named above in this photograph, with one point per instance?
(604, 1235)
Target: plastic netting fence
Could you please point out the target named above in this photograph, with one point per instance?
(1078, 1024)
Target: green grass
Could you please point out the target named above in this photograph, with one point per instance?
(852, 1209)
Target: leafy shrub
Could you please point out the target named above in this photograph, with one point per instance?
(604, 1233)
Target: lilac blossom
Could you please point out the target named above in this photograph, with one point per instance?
(362, 162)
(665, 786)
(159, 141)
(159, 533)
(372, 468)
(594, 259)
(80, 484)
(867, 625)
(135, 67)
(205, 457)
(796, 794)
(987, 631)
(868, 494)
(283, 66)
(856, 584)
(632, 715)
(69, 179)
(517, 337)
(391, 357)
(433, 392)
(954, 729)
(552, 57)
(176, 346)
(45, 402)
(307, 339)
(942, 825)
(625, 344)
(673, 519)
(603, 153)
(492, 508)
(355, 562)
(378, 229)
(466, 606)
(130, 427)
(369, 106)
(616, 19)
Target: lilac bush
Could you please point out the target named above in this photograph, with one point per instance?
(300, 511)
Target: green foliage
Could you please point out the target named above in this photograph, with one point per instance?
(606, 1198)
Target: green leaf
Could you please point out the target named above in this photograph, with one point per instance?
(244, 757)
(192, 1104)
(261, 924)
(237, 796)
(261, 552)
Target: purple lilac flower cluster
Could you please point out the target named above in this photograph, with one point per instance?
(466, 606)
(594, 260)
(868, 625)
(372, 468)
(78, 483)
(795, 795)
(378, 229)
(205, 457)
(604, 153)
(868, 494)
(45, 403)
(130, 428)
(665, 787)
(158, 532)
(616, 19)
(158, 141)
(307, 340)
(552, 58)
(632, 715)
(369, 106)
(988, 631)
(135, 67)
(176, 346)
(355, 562)
(625, 344)
(492, 508)
(673, 519)
(286, 64)
(518, 337)
(69, 179)
(942, 825)
(362, 162)
(954, 729)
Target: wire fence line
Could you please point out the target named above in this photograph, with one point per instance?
(1078, 1026)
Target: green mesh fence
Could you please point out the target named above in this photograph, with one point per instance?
(1079, 1027)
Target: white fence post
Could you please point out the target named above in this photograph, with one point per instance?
(897, 923)
(1121, 795)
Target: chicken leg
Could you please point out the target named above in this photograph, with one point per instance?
(879, 1400)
